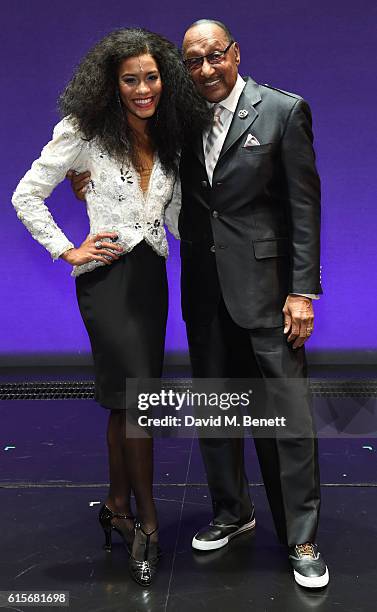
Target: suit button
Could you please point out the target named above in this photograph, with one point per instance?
(215, 214)
(204, 184)
(213, 248)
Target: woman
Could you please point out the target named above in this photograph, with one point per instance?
(125, 111)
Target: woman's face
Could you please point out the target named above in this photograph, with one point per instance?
(140, 85)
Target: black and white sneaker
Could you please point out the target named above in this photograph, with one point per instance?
(216, 536)
(309, 568)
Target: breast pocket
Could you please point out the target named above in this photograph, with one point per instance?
(259, 149)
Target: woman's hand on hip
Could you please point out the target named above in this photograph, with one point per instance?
(97, 248)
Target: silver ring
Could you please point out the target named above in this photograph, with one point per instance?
(98, 244)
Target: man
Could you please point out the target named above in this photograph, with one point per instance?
(249, 227)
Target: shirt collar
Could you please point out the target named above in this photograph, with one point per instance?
(230, 103)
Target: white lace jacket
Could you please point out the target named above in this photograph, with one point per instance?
(114, 199)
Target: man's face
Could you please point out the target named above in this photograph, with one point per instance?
(213, 81)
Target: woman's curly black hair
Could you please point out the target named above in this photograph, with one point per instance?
(92, 96)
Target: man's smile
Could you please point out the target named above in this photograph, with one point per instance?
(212, 83)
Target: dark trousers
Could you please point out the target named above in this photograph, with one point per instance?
(289, 463)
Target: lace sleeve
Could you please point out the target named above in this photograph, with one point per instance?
(57, 157)
(173, 208)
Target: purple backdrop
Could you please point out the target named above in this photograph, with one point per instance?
(323, 51)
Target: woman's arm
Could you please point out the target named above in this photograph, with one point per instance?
(173, 209)
(56, 158)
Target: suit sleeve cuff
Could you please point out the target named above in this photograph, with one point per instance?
(311, 296)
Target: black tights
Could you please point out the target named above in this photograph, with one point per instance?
(130, 470)
(127, 341)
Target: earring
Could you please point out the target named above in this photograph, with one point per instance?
(119, 100)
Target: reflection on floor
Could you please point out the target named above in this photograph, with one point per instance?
(53, 477)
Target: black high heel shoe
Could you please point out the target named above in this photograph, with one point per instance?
(144, 567)
(105, 515)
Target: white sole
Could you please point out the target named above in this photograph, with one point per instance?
(202, 545)
(314, 582)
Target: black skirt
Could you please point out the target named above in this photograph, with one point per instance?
(124, 308)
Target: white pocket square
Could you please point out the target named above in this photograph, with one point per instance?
(251, 141)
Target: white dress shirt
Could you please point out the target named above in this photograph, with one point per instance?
(229, 106)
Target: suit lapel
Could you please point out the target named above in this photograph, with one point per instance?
(197, 146)
(248, 99)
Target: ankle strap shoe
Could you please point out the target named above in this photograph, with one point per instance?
(105, 517)
(145, 556)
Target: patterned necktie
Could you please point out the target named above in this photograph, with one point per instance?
(211, 153)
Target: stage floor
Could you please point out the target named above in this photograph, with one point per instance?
(53, 478)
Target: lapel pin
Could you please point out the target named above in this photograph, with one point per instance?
(243, 113)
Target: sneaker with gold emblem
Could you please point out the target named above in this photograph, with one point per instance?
(309, 567)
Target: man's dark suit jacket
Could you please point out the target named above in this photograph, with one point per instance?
(254, 236)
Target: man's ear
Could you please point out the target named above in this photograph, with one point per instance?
(237, 53)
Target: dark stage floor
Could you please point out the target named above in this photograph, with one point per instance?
(53, 467)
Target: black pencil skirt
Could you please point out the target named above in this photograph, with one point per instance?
(124, 308)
